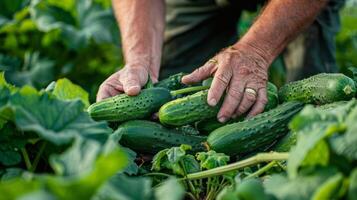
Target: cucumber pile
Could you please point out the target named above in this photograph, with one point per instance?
(178, 105)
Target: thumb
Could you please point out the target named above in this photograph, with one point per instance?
(131, 84)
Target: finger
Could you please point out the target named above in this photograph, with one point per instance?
(246, 103)
(131, 84)
(104, 92)
(259, 105)
(219, 84)
(232, 99)
(199, 74)
(102, 95)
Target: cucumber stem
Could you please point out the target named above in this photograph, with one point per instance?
(26, 158)
(188, 90)
(262, 157)
(263, 169)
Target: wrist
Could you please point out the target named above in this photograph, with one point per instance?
(261, 57)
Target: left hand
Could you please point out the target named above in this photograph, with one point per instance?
(241, 71)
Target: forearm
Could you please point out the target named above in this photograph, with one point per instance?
(278, 24)
(141, 25)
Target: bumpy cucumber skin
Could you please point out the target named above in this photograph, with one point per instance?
(319, 89)
(254, 133)
(122, 107)
(150, 137)
(173, 82)
(208, 125)
(187, 110)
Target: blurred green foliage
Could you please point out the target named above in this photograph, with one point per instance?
(346, 40)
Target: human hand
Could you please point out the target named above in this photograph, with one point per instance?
(241, 71)
(130, 80)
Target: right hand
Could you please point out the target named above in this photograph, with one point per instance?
(130, 80)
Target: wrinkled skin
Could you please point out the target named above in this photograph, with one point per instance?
(237, 68)
(130, 80)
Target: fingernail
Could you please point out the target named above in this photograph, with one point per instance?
(222, 119)
(133, 90)
(212, 102)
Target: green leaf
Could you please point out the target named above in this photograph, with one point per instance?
(10, 145)
(56, 121)
(175, 154)
(5, 112)
(71, 188)
(170, 189)
(125, 188)
(66, 90)
(211, 159)
(84, 21)
(84, 187)
(352, 191)
(300, 188)
(228, 193)
(159, 158)
(311, 148)
(175, 160)
(36, 71)
(76, 159)
(329, 189)
(334, 112)
(345, 144)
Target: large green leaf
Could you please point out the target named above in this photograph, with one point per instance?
(345, 144)
(56, 121)
(66, 90)
(311, 148)
(84, 22)
(75, 187)
(36, 71)
(300, 188)
(125, 188)
(170, 189)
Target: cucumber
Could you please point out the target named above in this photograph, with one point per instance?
(285, 143)
(254, 133)
(150, 137)
(319, 89)
(173, 82)
(122, 107)
(187, 110)
(208, 125)
(194, 108)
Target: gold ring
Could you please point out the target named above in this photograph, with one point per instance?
(251, 91)
(212, 60)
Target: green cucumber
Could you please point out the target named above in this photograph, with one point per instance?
(285, 143)
(208, 125)
(319, 89)
(187, 110)
(194, 108)
(150, 137)
(123, 107)
(254, 133)
(172, 82)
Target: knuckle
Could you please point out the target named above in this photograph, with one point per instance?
(250, 97)
(233, 92)
(243, 108)
(223, 78)
(263, 100)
